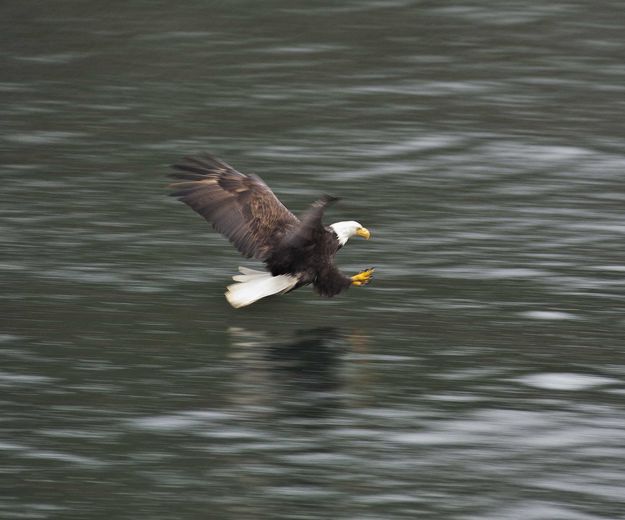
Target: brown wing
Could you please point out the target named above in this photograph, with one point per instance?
(241, 207)
(311, 228)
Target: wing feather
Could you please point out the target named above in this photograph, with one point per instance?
(239, 206)
(311, 227)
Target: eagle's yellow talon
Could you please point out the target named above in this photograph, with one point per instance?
(363, 277)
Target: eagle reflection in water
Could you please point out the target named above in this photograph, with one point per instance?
(303, 375)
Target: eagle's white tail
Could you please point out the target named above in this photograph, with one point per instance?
(253, 285)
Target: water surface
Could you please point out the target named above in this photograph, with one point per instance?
(481, 375)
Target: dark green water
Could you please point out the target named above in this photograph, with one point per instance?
(480, 376)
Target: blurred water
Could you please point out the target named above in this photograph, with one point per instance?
(481, 375)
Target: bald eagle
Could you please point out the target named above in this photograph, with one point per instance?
(296, 252)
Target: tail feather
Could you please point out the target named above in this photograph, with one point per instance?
(254, 285)
(248, 274)
(247, 270)
(246, 277)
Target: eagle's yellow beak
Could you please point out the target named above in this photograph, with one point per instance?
(363, 232)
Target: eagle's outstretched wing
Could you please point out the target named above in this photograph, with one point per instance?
(311, 226)
(241, 207)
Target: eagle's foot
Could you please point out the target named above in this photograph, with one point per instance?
(363, 277)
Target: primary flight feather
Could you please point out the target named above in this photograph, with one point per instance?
(243, 208)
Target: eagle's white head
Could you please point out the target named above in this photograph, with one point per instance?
(346, 229)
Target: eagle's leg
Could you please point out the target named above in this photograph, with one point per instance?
(363, 277)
